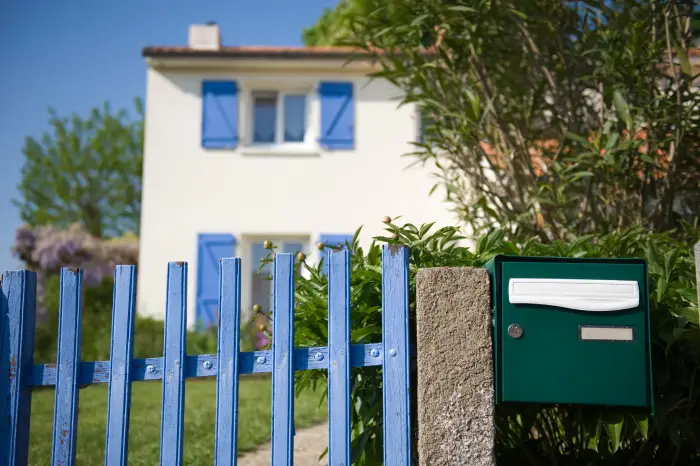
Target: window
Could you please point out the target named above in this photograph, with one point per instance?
(426, 123)
(264, 116)
(278, 117)
(261, 278)
(294, 118)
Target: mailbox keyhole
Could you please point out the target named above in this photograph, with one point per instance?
(515, 331)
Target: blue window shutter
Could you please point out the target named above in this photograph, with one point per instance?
(219, 114)
(210, 249)
(337, 115)
(342, 241)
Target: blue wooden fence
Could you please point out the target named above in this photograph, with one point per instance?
(17, 310)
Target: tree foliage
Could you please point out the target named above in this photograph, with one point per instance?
(332, 27)
(557, 128)
(544, 117)
(85, 171)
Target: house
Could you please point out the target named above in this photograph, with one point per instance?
(247, 144)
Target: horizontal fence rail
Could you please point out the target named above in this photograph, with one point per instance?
(18, 310)
(206, 365)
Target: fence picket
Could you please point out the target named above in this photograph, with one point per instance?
(397, 435)
(121, 354)
(283, 364)
(17, 311)
(227, 356)
(173, 411)
(339, 359)
(70, 309)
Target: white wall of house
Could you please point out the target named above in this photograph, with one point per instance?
(298, 192)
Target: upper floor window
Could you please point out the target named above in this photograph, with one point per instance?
(278, 117)
(320, 115)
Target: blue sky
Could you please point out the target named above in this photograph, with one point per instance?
(74, 54)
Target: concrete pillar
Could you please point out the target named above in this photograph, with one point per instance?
(455, 368)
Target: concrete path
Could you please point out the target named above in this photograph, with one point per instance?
(308, 445)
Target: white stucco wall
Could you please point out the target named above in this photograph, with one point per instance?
(189, 190)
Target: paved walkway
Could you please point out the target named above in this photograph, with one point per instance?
(308, 445)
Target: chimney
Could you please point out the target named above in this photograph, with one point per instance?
(204, 36)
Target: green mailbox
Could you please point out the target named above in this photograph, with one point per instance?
(571, 331)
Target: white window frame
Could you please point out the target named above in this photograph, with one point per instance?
(309, 146)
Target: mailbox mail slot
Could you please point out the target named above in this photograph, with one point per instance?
(571, 331)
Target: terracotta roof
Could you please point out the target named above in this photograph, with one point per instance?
(272, 52)
(254, 51)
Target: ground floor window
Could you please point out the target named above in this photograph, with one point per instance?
(261, 281)
(261, 278)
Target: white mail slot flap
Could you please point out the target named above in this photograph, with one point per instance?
(580, 295)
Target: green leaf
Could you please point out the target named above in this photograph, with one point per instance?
(661, 286)
(461, 8)
(641, 421)
(683, 60)
(653, 256)
(489, 243)
(691, 314)
(622, 108)
(581, 140)
(358, 335)
(593, 430)
(518, 13)
(578, 175)
(425, 228)
(613, 423)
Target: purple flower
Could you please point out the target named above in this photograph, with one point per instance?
(47, 250)
(262, 341)
(93, 274)
(25, 241)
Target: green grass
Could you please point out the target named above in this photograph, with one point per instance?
(144, 431)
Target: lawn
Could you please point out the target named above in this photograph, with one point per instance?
(144, 432)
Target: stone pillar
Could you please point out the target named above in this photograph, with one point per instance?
(455, 367)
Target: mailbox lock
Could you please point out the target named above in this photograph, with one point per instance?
(515, 331)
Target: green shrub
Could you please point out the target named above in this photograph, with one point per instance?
(535, 434)
(97, 327)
